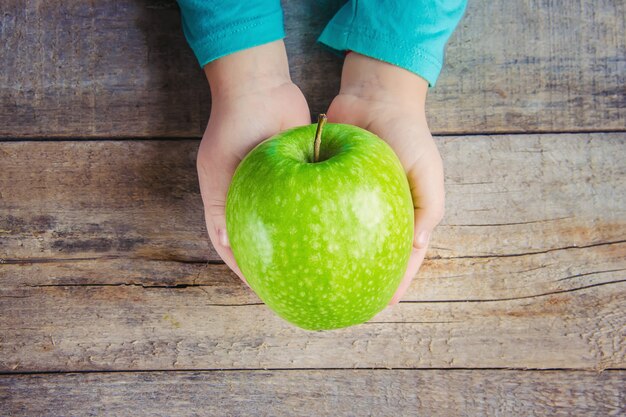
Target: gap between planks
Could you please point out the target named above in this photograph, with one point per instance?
(331, 369)
(442, 134)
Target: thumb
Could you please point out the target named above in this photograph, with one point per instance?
(427, 189)
(216, 227)
(214, 178)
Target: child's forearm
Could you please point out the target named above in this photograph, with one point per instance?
(372, 79)
(248, 71)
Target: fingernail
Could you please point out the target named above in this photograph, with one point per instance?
(223, 238)
(422, 239)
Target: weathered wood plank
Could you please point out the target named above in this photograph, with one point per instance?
(535, 65)
(318, 393)
(129, 327)
(526, 272)
(97, 198)
(122, 68)
(505, 195)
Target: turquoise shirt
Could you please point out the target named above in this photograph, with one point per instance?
(411, 34)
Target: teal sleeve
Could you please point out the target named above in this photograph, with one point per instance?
(215, 28)
(411, 34)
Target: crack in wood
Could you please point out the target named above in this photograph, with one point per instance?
(590, 273)
(123, 284)
(486, 300)
(200, 286)
(23, 261)
(300, 369)
(413, 322)
(511, 255)
(508, 224)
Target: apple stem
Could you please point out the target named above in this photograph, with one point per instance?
(321, 121)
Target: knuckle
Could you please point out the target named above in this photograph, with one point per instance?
(438, 214)
(215, 208)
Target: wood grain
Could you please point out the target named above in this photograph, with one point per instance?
(534, 65)
(105, 264)
(527, 270)
(131, 327)
(314, 393)
(123, 69)
(506, 195)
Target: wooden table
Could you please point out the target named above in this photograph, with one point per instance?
(113, 302)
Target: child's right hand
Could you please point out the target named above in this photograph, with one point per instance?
(390, 102)
(253, 98)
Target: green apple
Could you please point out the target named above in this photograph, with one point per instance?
(325, 241)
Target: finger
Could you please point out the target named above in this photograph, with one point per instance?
(224, 251)
(213, 189)
(427, 189)
(415, 261)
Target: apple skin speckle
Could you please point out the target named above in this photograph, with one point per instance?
(336, 234)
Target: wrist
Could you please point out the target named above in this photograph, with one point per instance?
(249, 71)
(372, 79)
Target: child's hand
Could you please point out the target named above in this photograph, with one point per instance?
(389, 101)
(253, 98)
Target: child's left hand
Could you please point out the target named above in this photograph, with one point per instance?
(389, 101)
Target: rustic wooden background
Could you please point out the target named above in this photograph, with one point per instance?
(113, 302)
